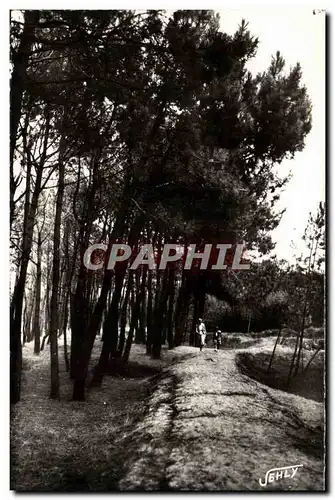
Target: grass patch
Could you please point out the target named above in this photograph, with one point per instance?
(71, 446)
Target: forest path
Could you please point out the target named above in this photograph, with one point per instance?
(198, 425)
(209, 427)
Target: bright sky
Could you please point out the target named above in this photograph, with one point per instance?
(300, 37)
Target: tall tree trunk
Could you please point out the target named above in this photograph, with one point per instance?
(185, 315)
(140, 332)
(27, 315)
(47, 298)
(84, 326)
(123, 319)
(118, 230)
(182, 307)
(306, 299)
(111, 324)
(110, 331)
(66, 317)
(193, 337)
(160, 306)
(135, 315)
(274, 350)
(249, 322)
(54, 310)
(138, 339)
(24, 323)
(17, 85)
(149, 315)
(36, 322)
(202, 293)
(179, 307)
(199, 305)
(170, 309)
(84, 355)
(294, 366)
(17, 301)
(69, 267)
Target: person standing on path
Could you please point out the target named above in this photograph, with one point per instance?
(201, 331)
(217, 339)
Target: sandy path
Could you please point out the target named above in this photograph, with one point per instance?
(208, 427)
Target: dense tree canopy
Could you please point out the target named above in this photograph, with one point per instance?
(136, 127)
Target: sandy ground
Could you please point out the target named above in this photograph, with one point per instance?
(198, 425)
(210, 428)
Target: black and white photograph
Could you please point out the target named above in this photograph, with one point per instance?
(167, 250)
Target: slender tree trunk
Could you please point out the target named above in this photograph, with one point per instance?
(149, 316)
(160, 306)
(90, 334)
(47, 299)
(28, 312)
(193, 337)
(66, 316)
(311, 359)
(298, 345)
(293, 360)
(36, 322)
(140, 333)
(199, 305)
(17, 85)
(306, 298)
(179, 308)
(89, 337)
(24, 323)
(43, 342)
(84, 326)
(138, 339)
(182, 308)
(111, 324)
(274, 350)
(110, 331)
(54, 309)
(17, 302)
(249, 322)
(134, 319)
(69, 266)
(123, 319)
(82, 319)
(170, 309)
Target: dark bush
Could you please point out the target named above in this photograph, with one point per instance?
(314, 332)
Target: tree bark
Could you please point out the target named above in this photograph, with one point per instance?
(36, 322)
(110, 331)
(111, 324)
(54, 309)
(17, 301)
(83, 356)
(306, 298)
(140, 332)
(149, 315)
(160, 306)
(134, 319)
(171, 309)
(66, 317)
(123, 319)
(27, 315)
(17, 85)
(274, 350)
